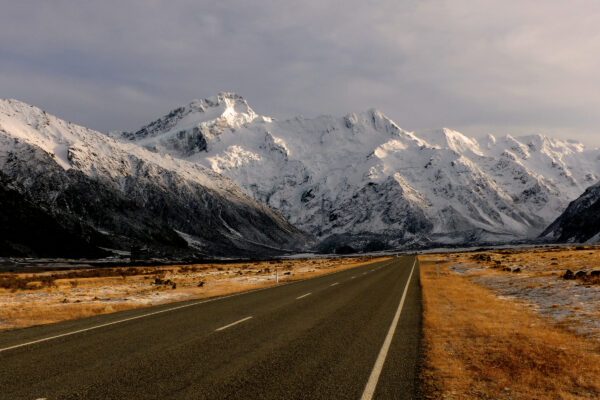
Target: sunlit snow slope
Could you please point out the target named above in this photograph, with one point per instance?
(120, 195)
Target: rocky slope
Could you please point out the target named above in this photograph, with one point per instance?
(125, 196)
(580, 222)
(26, 229)
(362, 180)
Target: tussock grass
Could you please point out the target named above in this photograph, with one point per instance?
(479, 346)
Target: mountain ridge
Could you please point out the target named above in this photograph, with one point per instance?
(319, 172)
(130, 196)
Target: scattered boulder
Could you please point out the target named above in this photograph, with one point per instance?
(595, 273)
(482, 257)
(159, 281)
(569, 275)
(201, 284)
(580, 274)
(517, 270)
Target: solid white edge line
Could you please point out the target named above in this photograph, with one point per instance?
(232, 324)
(303, 296)
(164, 311)
(377, 368)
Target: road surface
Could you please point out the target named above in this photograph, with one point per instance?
(353, 334)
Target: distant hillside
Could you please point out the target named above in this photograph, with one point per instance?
(580, 222)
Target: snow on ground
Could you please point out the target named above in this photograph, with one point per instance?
(573, 304)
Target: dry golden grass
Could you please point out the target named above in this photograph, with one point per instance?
(542, 260)
(41, 298)
(479, 346)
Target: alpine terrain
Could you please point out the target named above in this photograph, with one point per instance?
(581, 220)
(362, 181)
(67, 181)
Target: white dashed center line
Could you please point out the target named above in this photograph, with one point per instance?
(303, 296)
(333, 284)
(232, 324)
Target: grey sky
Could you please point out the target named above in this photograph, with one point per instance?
(510, 66)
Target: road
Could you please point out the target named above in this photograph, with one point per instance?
(348, 335)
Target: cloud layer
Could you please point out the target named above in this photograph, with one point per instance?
(499, 66)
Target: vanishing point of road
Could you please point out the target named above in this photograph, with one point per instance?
(353, 334)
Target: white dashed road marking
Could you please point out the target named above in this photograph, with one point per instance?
(232, 324)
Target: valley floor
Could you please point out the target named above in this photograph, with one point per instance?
(501, 324)
(28, 299)
(506, 325)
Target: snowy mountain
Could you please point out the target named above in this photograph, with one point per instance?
(120, 195)
(580, 222)
(361, 179)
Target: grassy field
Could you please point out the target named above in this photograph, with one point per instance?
(46, 297)
(507, 325)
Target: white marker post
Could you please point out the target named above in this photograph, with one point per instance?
(438, 269)
(276, 274)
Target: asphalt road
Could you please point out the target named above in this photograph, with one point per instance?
(348, 335)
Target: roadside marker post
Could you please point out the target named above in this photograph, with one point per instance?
(437, 269)
(276, 274)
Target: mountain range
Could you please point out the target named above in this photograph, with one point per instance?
(214, 178)
(361, 180)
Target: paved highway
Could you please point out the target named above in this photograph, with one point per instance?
(353, 334)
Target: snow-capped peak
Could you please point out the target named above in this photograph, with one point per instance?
(447, 138)
(214, 114)
(229, 106)
(189, 129)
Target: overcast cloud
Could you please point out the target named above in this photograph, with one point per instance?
(510, 66)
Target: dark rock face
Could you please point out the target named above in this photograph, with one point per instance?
(29, 230)
(88, 206)
(581, 220)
